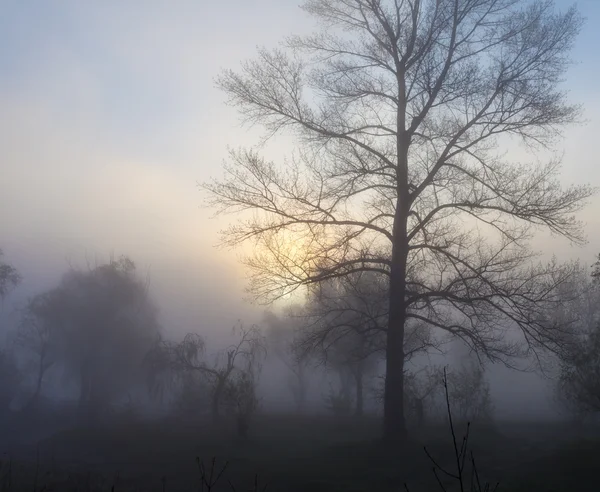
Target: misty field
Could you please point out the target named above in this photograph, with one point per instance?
(404, 184)
(299, 453)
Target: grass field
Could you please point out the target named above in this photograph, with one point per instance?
(292, 453)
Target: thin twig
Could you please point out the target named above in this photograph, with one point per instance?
(439, 467)
(456, 452)
(438, 480)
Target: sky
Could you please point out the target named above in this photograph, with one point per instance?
(109, 120)
(109, 117)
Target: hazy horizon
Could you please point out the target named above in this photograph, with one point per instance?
(110, 119)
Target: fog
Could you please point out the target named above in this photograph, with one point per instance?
(111, 121)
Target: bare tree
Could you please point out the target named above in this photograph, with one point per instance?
(421, 387)
(579, 382)
(579, 367)
(400, 108)
(9, 278)
(345, 328)
(241, 392)
(359, 367)
(190, 355)
(469, 392)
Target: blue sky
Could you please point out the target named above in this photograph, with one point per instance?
(110, 117)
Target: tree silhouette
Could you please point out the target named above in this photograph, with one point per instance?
(400, 109)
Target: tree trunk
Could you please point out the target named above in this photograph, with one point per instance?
(394, 424)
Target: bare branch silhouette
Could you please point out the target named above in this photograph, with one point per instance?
(400, 110)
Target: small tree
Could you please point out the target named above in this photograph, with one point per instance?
(469, 393)
(241, 396)
(190, 356)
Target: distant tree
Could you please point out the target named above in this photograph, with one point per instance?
(241, 392)
(100, 323)
(346, 323)
(421, 388)
(596, 269)
(420, 391)
(219, 371)
(469, 392)
(402, 111)
(284, 337)
(9, 278)
(339, 400)
(39, 334)
(345, 329)
(579, 367)
(579, 382)
(348, 358)
(160, 375)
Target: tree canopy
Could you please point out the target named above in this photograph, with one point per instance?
(98, 324)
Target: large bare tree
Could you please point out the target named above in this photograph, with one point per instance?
(401, 110)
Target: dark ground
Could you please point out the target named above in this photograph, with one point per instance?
(291, 453)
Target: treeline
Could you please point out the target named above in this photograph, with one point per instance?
(98, 333)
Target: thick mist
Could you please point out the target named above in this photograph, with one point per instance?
(136, 344)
